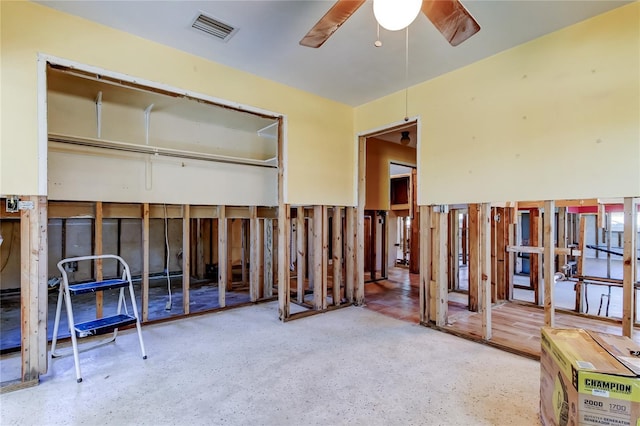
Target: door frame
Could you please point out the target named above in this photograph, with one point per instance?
(360, 188)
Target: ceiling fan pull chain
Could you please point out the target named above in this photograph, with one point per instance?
(378, 42)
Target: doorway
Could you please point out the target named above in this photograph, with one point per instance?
(389, 221)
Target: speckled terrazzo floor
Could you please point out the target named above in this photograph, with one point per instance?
(351, 366)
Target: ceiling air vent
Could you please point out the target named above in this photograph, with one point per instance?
(213, 27)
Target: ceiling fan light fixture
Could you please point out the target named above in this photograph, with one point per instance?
(405, 139)
(394, 15)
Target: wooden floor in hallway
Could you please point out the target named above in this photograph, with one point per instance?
(515, 325)
(397, 296)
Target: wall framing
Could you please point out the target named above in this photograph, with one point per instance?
(33, 222)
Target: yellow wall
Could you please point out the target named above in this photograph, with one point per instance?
(320, 150)
(379, 155)
(558, 117)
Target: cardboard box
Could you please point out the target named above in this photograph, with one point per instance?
(589, 378)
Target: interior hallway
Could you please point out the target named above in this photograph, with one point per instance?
(244, 366)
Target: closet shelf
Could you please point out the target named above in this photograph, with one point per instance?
(154, 150)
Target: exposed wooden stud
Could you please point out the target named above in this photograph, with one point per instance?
(384, 261)
(501, 240)
(596, 234)
(345, 238)
(453, 252)
(316, 270)
(145, 262)
(193, 249)
(229, 248)
(244, 252)
(485, 268)
(200, 268)
(562, 236)
(373, 246)
(33, 288)
(463, 238)
(268, 258)
(540, 265)
(222, 255)
(449, 253)
(475, 299)
(433, 291)
(337, 254)
(325, 255)
(511, 257)
(310, 251)
(301, 253)
(600, 217)
(42, 283)
(359, 268)
(414, 250)
(254, 254)
(571, 228)
(508, 257)
(439, 265)
(549, 263)
(351, 273)
(494, 269)
(97, 250)
(284, 284)
(629, 265)
(260, 255)
(518, 229)
(287, 253)
(608, 237)
(186, 257)
(535, 264)
(582, 244)
(404, 239)
(207, 243)
(213, 256)
(425, 263)
(456, 249)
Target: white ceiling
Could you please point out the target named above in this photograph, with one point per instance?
(348, 68)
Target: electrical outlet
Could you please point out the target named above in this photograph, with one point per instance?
(71, 266)
(12, 204)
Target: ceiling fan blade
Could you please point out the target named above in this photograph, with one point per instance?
(451, 18)
(330, 22)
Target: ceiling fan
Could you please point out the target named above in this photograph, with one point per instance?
(449, 16)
